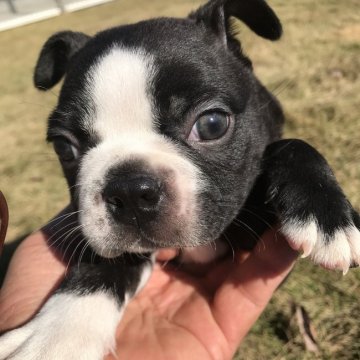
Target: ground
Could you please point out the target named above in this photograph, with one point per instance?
(313, 70)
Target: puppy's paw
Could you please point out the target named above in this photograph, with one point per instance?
(314, 212)
(70, 327)
(337, 247)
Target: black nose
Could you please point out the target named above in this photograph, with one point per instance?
(133, 199)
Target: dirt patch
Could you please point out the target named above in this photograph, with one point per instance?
(351, 32)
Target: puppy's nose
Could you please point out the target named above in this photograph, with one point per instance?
(133, 199)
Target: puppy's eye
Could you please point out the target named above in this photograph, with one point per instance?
(210, 126)
(66, 151)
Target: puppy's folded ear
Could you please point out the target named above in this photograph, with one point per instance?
(256, 14)
(54, 57)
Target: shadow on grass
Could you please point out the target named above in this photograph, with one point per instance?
(7, 253)
(280, 323)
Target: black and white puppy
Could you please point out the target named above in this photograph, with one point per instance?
(166, 137)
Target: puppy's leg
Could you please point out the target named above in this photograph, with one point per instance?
(314, 213)
(79, 321)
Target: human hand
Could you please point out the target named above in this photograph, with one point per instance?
(176, 315)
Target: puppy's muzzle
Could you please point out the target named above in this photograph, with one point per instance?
(133, 199)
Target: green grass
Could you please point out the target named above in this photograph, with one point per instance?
(314, 70)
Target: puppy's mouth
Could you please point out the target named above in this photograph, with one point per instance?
(139, 239)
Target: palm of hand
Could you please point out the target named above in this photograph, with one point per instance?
(180, 316)
(172, 318)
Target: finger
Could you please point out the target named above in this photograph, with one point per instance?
(166, 254)
(33, 273)
(243, 296)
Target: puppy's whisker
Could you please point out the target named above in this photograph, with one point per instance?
(63, 240)
(69, 245)
(230, 245)
(82, 252)
(63, 218)
(213, 244)
(164, 264)
(47, 107)
(61, 229)
(48, 223)
(258, 217)
(78, 185)
(66, 236)
(85, 248)
(247, 228)
(110, 260)
(73, 254)
(71, 231)
(284, 84)
(93, 255)
(49, 91)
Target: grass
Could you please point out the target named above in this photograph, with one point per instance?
(314, 70)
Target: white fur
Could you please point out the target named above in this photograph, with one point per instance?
(353, 235)
(119, 88)
(124, 120)
(144, 278)
(301, 236)
(69, 326)
(338, 252)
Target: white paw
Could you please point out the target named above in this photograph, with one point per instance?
(69, 326)
(339, 251)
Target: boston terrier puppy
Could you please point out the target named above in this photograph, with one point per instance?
(166, 138)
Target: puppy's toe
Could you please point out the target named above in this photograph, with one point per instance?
(333, 251)
(338, 250)
(302, 236)
(353, 235)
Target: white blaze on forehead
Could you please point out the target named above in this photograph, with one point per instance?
(118, 87)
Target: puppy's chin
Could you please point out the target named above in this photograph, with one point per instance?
(113, 249)
(112, 246)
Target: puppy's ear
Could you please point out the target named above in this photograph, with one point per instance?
(54, 57)
(256, 14)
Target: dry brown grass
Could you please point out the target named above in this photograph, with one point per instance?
(314, 70)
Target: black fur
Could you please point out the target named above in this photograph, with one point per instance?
(55, 56)
(296, 183)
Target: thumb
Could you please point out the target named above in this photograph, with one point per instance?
(250, 284)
